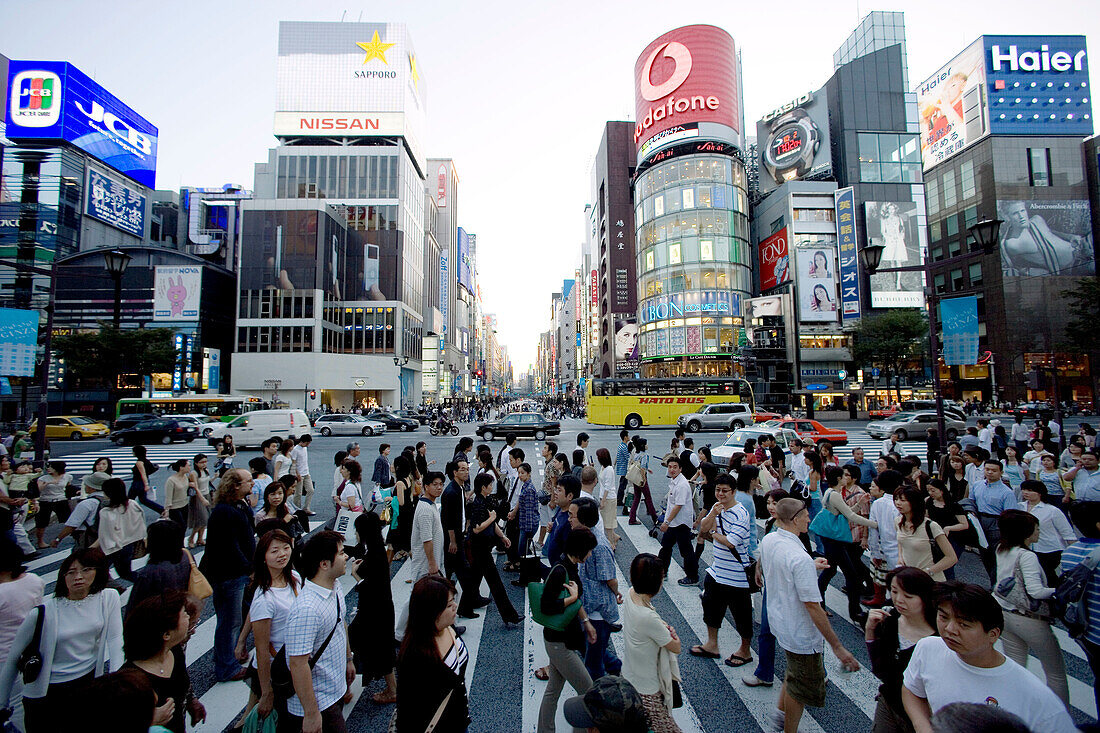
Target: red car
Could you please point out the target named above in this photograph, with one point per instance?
(764, 416)
(811, 430)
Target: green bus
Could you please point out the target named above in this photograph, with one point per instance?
(223, 407)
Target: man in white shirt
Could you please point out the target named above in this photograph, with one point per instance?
(512, 487)
(590, 481)
(1085, 477)
(1019, 435)
(428, 542)
(676, 527)
(300, 454)
(985, 435)
(796, 616)
(798, 466)
(882, 542)
(962, 665)
(893, 445)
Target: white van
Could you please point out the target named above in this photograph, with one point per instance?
(255, 427)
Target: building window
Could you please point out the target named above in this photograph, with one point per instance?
(1038, 166)
(649, 260)
(932, 195)
(935, 231)
(888, 157)
(815, 215)
(674, 254)
(957, 280)
(706, 249)
(939, 284)
(969, 189)
(975, 275)
(777, 225)
(970, 216)
(950, 193)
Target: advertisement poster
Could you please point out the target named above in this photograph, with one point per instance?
(795, 141)
(115, 203)
(817, 284)
(176, 293)
(626, 339)
(959, 320)
(1046, 238)
(775, 261)
(18, 342)
(760, 307)
(844, 201)
(893, 224)
(952, 106)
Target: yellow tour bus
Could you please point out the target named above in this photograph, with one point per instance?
(633, 403)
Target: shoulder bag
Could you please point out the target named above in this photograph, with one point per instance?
(1013, 591)
(557, 622)
(750, 568)
(431, 724)
(829, 525)
(281, 682)
(30, 661)
(635, 474)
(937, 553)
(197, 584)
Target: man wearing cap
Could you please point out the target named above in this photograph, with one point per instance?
(83, 523)
(611, 705)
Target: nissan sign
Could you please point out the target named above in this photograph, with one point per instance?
(686, 84)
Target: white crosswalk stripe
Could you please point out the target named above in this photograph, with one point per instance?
(714, 696)
(122, 458)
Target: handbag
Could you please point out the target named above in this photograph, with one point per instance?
(937, 553)
(253, 723)
(831, 526)
(281, 682)
(197, 584)
(431, 724)
(345, 525)
(531, 569)
(30, 661)
(750, 568)
(557, 621)
(141, 549)
(1013, 591)
(635, 474)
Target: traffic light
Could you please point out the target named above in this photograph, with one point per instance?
(313, 394)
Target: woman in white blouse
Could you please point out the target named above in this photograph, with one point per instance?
(607, 494)
(645, 637)
(1026, 630)
(81, 640)
(284, 464)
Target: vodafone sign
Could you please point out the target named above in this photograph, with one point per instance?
(686, 85)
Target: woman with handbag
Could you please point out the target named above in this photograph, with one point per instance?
(484, 535)
(564, 648)
(168, 567)
(198, 512)
(833, 528)
(176, 489)
(276, 587)
(351, 497)
(141, 488)
(641, 490)
(1021, 587)
(153, 640)
(72, 638)
(608, 495)
(52, 499)
(921, 542)
(399, 539)
(121, 528)
(645, 634)
(373, 659)
(432, 663)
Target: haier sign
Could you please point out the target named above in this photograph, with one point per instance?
(54, 100)
(1038, 85)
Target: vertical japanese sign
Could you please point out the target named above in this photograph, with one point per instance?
(844, 199)
(959, 319)
(444, 294)
(622, 260)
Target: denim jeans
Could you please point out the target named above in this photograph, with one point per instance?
(228, 597)
(599, 658)
(814, 508)
(765, 644)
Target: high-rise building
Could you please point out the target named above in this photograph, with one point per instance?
(1002, 128)
(691, 208)
(879, 29)
(331, 289)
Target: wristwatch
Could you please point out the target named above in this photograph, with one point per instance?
(790, 148)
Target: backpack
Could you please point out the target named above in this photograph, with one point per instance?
(1070, 596)
(87, 537)
(799, 490)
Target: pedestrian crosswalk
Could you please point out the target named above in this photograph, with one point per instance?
(122, 458)
(505, 695)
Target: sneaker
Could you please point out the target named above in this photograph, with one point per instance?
(776, 718)
(688, 581)
(754, 681)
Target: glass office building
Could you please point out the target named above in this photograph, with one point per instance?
(694, 263)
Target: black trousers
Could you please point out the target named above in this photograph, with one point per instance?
(511, 531)
(681, 537)
(454, 563)
(840, 556)
(485, 567)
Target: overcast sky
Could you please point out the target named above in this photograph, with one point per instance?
(517, 92)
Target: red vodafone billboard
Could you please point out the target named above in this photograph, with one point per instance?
(686, 85)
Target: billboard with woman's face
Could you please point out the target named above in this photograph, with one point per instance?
(626, 341)
(817, 283)
(894, 225)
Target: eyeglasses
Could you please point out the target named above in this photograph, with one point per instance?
(73, 572)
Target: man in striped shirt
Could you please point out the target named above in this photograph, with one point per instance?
(730, 523)
(622, 462)
(1086, 517)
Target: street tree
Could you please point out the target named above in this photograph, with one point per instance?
(889, 340)
(1083, 309)
(100, 356)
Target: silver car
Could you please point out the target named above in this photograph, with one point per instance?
(735, 443)
(347, 425)
(719, 416)
(914, 425)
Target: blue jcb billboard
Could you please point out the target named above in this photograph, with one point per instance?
(54, 100)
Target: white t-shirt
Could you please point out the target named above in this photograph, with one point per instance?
(274, 604)
(608, 483)
(351, 496)
(679, 494)
(791, 581)
(17, 598)
(301, 459)
(644, 633)
(337, 479)
(283, 464)
(937, 674)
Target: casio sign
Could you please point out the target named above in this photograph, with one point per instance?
(1041, 60)
(117, 127)
(803, 100)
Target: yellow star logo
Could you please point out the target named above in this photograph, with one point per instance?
(376, 49)
(415, 73)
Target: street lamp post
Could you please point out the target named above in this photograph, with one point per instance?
(116, 261)
(986, 234)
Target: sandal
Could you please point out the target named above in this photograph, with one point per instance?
(735, 661)
(699, 651)
(542, 674)
(381, 698)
